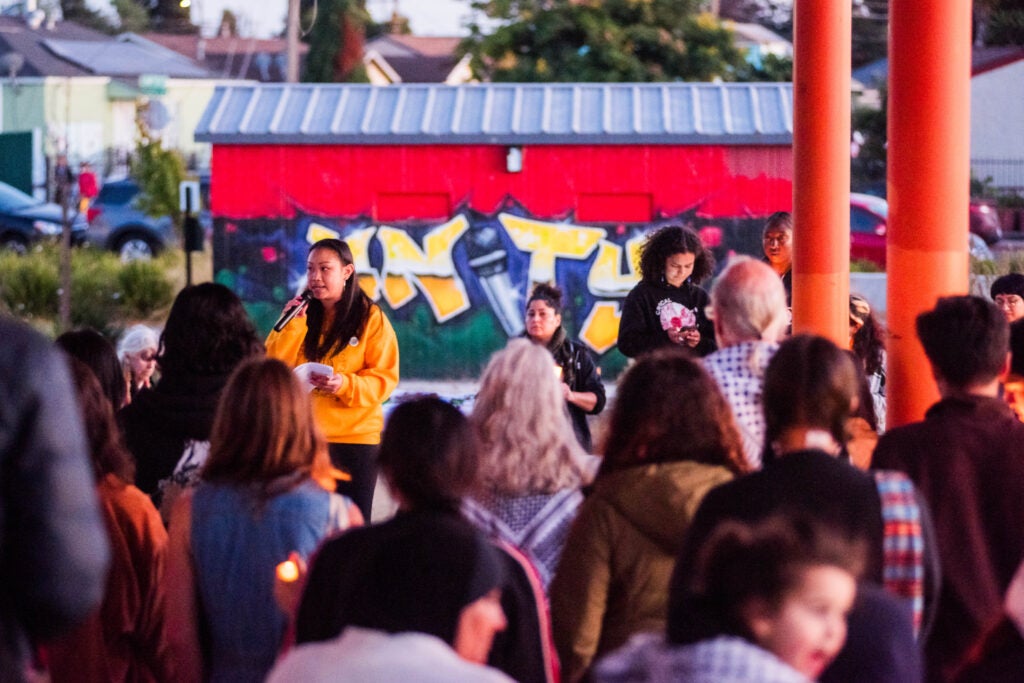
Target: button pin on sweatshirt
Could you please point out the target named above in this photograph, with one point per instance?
(354, 341)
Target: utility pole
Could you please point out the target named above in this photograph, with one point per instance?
(292, 36)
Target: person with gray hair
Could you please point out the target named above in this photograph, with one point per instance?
(750, 316)
(137, 352)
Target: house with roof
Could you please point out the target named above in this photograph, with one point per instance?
(227, 56)
(71, 89)
(396, 58)
(456, 200)
(997, 125)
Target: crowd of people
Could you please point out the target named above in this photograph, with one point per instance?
(741, 513)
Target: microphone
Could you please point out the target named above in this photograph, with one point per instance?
(287, 316)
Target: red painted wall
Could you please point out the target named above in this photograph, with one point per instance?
(376, 181)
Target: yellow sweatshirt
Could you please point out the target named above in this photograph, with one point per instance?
(354, 414)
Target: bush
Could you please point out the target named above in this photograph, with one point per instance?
(144, 288)
(105, 294)
(29, 284)
(94, 290)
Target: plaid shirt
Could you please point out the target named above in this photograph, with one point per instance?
(725, 659)
(739, 372)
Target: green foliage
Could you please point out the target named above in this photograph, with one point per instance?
(870, 31)
(999, 22)
(869, 167)
(28, 284)
(134, 16)
(335, 43)
(79, 12)
(158, 171)
(773, 69)
(168, 16)
(105, 294)
(864, 266)
(144, 288)
(609, 41)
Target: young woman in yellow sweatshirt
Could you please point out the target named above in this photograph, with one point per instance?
(344, 329)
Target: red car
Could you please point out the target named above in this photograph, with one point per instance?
(869, 216)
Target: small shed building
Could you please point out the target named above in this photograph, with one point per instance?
(456, 200)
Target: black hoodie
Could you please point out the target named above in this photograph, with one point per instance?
(159, 421)
(640, 327)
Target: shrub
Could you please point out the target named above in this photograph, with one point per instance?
(105, 294)
(29, 284)
(144, 288)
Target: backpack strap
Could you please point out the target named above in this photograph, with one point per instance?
(903, 571)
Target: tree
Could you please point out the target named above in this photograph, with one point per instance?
(134, 16)
(999, 22)
(775, 14)
(600, 40)
(80, 13)
(336, 43)
(228, 24)
(158, 171)
(168, 16)
(870, 31)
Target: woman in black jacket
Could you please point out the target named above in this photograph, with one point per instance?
(581, 381)
(667, 306)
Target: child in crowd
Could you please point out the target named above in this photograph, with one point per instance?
(768, 602)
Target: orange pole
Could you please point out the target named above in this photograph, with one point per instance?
(821, 169)
(928, 183)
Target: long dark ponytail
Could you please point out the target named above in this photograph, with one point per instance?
(350, 313)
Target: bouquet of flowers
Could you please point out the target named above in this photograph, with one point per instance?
(675, 316)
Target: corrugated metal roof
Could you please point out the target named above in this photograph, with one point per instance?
(122, 58)
(501, 113)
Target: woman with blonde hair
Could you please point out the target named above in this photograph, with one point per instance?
(531, 464)
(265, 492)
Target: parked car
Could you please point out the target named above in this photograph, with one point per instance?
(117, 223)
(25, 220)
(869, 218)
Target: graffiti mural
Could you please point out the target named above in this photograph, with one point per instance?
(456, 290)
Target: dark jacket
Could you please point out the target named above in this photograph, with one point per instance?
(54, 551)
(338, 574)
(580, 373)
(839, 495)
(159, 421)
(967, 459)
(640, 326)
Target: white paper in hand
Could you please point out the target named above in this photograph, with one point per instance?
(304, 371)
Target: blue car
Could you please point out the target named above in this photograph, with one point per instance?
(25, 220)
(116, 222)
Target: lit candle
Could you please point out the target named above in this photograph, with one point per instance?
(558, 372)
(288, 571)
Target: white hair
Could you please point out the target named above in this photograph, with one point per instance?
(135, 339)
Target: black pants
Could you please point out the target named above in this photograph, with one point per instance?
(360, 461)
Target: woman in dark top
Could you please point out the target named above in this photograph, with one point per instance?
(581, 383)
(667, 306)
(207, 335)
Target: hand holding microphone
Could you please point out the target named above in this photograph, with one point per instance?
(299, 305)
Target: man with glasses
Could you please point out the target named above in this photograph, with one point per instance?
(1008, 293)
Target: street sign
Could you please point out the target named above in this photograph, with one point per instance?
(153, 84)
(188, 196)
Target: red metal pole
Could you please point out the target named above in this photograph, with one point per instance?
(821, 173)
(928, 183)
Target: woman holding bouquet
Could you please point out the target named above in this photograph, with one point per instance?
(667, 306)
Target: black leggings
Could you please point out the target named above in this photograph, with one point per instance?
(360, 461)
